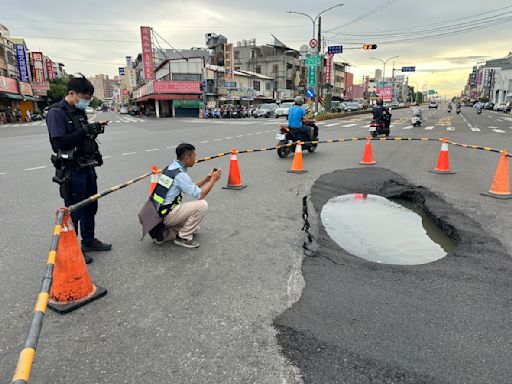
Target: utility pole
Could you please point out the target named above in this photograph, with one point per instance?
(319, 68)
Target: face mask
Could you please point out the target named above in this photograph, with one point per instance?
(82, 104)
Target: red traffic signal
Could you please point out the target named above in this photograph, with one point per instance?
(370, 46)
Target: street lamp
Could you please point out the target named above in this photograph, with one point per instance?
(384, 62)
(313, 20)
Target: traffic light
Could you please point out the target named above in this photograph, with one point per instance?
(370, 46)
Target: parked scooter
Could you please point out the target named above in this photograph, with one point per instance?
(458, 110)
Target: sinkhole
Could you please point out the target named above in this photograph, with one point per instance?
(384, 231)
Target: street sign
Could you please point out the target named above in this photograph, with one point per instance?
(409, 69)
(121, 71)
(230, 84)
(311, 76)
(310, 93)
(313, 43)
(335, 49)
(313, 61)
(431, 91)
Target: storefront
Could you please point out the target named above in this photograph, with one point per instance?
(15, 99)
(170, 98)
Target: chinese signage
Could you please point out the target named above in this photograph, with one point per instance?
(49, 70)
(21, 54)
(40, 88)
(313, 61)
(177, 86)
(37, 64)
(26, 89)
(328, 68)
(230, 84)
(386, 93)
(242, 92)
(8, 85)
(408, 69)
(229, 73)
(121, 71)
(335, 49)
(129, 61)
(311, 76)
(147, 53)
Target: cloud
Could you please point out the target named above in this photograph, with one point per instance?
(464, 59)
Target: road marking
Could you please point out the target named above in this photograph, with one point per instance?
(128, 153)
(268, 123)
(240, 136)
(493, 127)
(106, 157)
(474, 129)
(172, 146)
(117, 121)
(498, 131)
(348, 125)
(429, 128)
(203, 142)
(152, 150)
(450, 129)
(409, 127)
(34, 168)
(321, 123)
(217, 140)
(2, 173)
(332, 125)
(259, 133)
(250, 134)
(228, 137)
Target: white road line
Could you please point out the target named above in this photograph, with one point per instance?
(106, 157)
(240, 135)
(2, 173)
(321, 123)
(493, 127)
(34, 168)
(203, 142)
(172, 146)
(474, 129)
(139, 120)
(429, 128)
(117, 121)
(217, 140)
(450, 129)
(259, 133)
(332, 125)
(152, 150)
(128, 153)
(15, 125)
(498, 131)
(229, 137)
(250, 134)
(409, 127)
(348, 125)
(269, 123)
(267, 131)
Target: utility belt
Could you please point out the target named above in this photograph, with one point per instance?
(67, 161)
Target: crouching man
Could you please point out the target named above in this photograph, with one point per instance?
(176, 220)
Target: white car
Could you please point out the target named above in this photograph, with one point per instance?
(500, 107)
(89, 110)
(283, 109)
(265, 110)
(349, 107)
(123, 110)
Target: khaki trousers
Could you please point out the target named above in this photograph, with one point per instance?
(184, 220)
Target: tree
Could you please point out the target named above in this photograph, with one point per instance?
(95, 102)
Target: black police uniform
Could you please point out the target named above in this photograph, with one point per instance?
(65, 127)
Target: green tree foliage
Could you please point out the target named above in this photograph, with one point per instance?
(57, 89)
(95, 102)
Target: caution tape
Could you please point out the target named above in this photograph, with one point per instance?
(27, 355)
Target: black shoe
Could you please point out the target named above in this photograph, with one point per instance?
(88, 259)
(96, 246)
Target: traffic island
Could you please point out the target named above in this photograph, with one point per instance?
(363, 322)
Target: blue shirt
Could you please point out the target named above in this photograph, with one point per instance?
(182, 183)
(295, 115)
(57, 121)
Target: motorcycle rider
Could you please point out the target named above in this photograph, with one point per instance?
(479, 107)
(381, 113)
(297, 118)
(416, 111)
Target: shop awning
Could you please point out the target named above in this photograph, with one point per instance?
(168, 96)
(13, 96)
(188, 103)
(29, 98)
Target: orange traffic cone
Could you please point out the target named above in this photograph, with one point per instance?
(500, 187)
(234, 180)
(155, 175)
(368, 153)
(297, 166)
(72, 286)
(443, 161)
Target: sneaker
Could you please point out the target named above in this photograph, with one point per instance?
(157, 241)
(185, 243)
(88, 259)
(96, 246)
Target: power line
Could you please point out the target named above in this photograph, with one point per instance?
(371, 12)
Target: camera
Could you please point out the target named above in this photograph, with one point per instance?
(95, 129)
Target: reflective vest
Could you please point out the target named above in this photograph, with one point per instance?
(162, 188)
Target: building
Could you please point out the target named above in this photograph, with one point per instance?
(338, 91)
(103, 86)
(277, 61)
(8, 62)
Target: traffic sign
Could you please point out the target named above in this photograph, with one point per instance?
(431, 91)
(230, 84)
(313, 61)
(409, 69)
(310, 93)
(335, 49)
(311, 76)
(313, 43)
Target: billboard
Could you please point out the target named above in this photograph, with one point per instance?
(26, 89)
(49, 70)
(21, 55)
(229, 73)
(328, 68)
(8, 85)
(37, 65)
(129, 61)
(386, 93)
(147, 53)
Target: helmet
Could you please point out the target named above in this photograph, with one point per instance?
(380, 102)
(298, 100)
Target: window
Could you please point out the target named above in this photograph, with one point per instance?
(275, 68)
(258, 69)
(253, 54)
(237, 55)
(256, 85)
(186, 77)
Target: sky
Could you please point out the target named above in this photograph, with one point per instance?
(94, 37)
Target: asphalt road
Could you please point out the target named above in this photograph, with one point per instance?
(205, 315)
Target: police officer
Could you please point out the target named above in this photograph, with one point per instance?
(73, 140)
